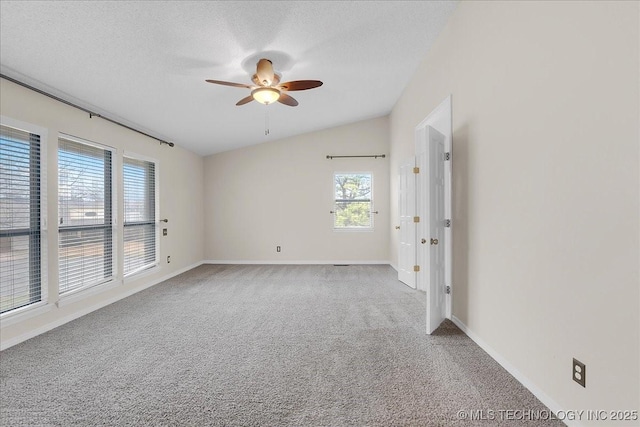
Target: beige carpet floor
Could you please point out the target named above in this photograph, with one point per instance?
(261, 345)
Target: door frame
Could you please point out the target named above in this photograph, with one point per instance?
(441, 119)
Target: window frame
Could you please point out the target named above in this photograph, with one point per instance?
(111, 207)
(334, 202)
(149, 267)
(35, 307)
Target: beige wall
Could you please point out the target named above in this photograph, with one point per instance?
(546, 188)
(280, 193)
(180, 201)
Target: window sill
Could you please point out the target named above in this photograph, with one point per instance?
(23, 313)
(81, 294)
(141, 273)
(357, 230)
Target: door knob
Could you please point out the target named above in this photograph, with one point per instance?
(434, 241)
(423, 241)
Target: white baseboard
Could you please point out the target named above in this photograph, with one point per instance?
(292, 262)
(61, 321)
(542, 396)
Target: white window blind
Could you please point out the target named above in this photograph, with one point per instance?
(140, 229)
(20, 230)
(85, 214)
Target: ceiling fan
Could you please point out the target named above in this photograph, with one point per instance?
(267, 88)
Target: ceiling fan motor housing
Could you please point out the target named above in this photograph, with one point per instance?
(265, 72)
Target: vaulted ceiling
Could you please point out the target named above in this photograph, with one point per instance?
(144, 63)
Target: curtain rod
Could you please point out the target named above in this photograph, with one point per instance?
(91, 113)
(375, 156)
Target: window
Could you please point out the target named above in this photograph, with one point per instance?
(353, 201)
(85, 206)
(20, 227)
(140, 228)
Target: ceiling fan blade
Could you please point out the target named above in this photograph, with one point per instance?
(219, 82)
(300, 85)
(265, 72)
(287, 100)
(245, 100)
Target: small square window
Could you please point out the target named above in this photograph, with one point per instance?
(353, 201)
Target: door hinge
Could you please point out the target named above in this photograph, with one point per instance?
(416, 219)
(447, 156)
(416, 170)
(447, 223)
(447, 289)
(416, 268)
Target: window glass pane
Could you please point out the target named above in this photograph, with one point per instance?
(20, 238)
(85, 259)
(15, 178)
(140, 229)
(353, 200)
(81, 184)
(85, 215)
(139, 190)
(139, 247)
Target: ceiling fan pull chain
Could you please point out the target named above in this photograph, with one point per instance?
(266, 122)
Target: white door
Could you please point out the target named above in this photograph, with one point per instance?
(407, 230)
(431, 190)
(422, 209)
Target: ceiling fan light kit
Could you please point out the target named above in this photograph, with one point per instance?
(265, 95)
(267, 88)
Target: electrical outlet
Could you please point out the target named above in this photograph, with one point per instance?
(168, 259)
(277, 248)
(579, 373)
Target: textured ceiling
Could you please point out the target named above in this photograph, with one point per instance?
(144, 63)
